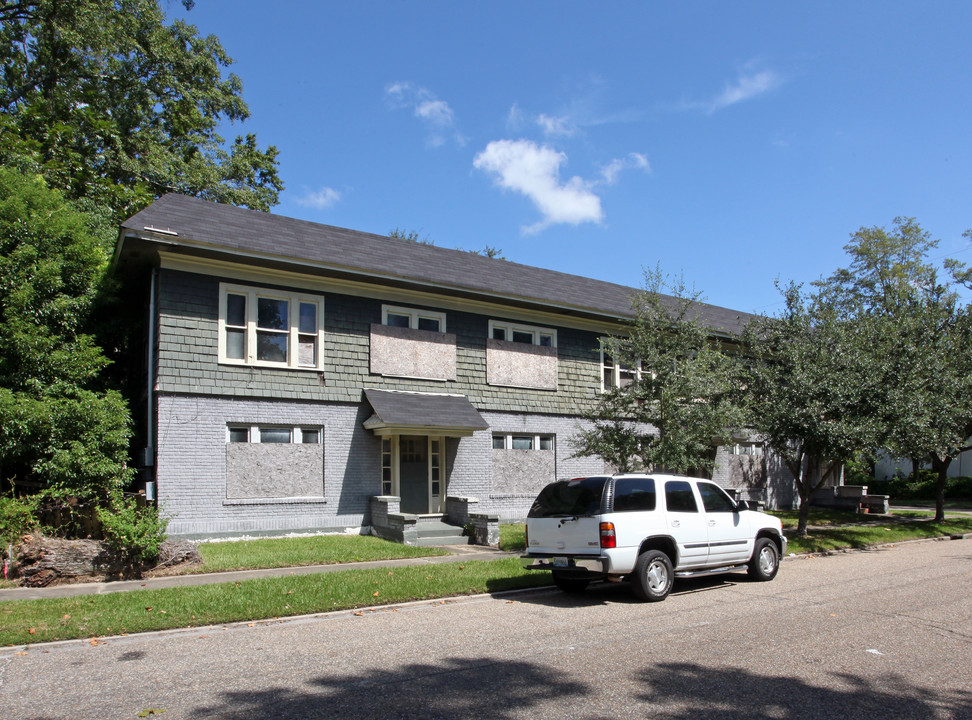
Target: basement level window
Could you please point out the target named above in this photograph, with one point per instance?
(273, 434)
(521, 441)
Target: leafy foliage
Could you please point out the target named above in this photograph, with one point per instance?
(681, 404)
(810, 389)
(919, 343)
(135, 533)
(116, 107)
(17, 518)
(58, 427)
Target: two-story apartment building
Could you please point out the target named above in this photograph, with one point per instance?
(294, 371)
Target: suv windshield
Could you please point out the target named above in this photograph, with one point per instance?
(567, 498)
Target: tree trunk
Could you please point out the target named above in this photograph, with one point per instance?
(41, 560)
(940, 466)
(915, 470)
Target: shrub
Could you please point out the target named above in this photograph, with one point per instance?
(18, 516)
(132, 531)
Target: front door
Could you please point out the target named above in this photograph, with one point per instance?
(420, 474)
(413, 473)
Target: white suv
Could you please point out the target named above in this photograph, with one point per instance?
(647, 528)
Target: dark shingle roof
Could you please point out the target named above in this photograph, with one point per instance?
(423, 410)
(196, 225)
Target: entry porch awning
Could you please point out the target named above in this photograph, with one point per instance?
(414, 413)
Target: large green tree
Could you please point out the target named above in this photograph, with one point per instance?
(811, 390)
(116, 106)
(920, 344)
(61, 431)
(676, 398)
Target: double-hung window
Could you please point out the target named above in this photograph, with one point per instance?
(615, 375)
(270, 328)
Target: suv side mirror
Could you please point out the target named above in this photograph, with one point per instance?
(742, 505)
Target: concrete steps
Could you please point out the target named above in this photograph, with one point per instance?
(436, 532)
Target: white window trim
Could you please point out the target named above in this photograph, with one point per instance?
(414, 316)
(508, 440)
(294, 299)
(756, 449)
(533, 330)
(616, 370)
(296, 433)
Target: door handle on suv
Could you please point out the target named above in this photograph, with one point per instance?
(676, 523)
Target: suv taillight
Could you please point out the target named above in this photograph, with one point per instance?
(608, 538)
(526, 536)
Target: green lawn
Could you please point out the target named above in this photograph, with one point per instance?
(31, 621)
(291, 552)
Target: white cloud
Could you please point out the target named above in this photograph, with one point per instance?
(435, 114)
(744, 88)
(634, 161)
(322, 199)
(534, 171)
(556, 125)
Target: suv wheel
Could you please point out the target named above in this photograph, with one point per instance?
(569, 584)
(765, 561)
(653, 576)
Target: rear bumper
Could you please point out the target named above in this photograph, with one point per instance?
(586, 565)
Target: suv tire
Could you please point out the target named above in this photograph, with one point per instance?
(765, 562)
(653, 576)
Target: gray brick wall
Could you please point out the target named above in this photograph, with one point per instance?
(191, 466)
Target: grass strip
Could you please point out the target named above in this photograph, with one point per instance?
(299, 551)
(31, 621)
(821, 539)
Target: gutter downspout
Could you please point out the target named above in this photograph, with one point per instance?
(150, 391)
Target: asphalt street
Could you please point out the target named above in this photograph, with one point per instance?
(879, 634)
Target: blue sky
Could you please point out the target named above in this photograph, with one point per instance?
(731, 142)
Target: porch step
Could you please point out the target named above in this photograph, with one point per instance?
(436, 532)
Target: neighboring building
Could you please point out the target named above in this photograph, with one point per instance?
(298, 370)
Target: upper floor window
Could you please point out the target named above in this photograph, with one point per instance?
(615, 375)
(270, 328)
(412, 318)
(528, 334)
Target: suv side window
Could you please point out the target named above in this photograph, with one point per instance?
(634, 495)
(714, 498)
(679, 497)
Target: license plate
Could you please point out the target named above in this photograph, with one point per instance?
(560, 562)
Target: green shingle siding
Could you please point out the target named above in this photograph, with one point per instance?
(188, 307)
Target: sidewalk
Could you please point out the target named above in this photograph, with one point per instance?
(457, 552)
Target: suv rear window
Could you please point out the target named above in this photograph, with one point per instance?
(569, 498)
(634, 494)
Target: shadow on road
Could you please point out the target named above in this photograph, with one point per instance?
(480, 687)
(683, 690)
(601, 593)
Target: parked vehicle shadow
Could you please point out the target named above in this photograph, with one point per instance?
(602, 592)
